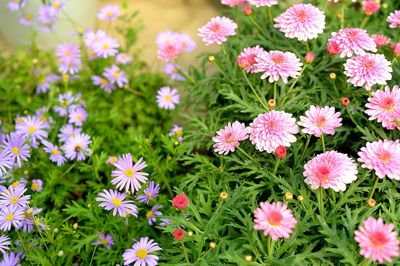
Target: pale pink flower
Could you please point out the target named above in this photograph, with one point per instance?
(109, 12)
(217, 30)
(370, 7)
(330, 169)
(259, 3)
(394, 19)
(351, 41)
(368, 70)
(275, 219)
(320, 121)
(246, 59)
(232, 3)
(170, 51)
(303, 22)
(277, 64)
(378, 241)
(384, 106)
(167, 98)
(273, 129)
(380, 40)
(229, 137)
(383, 156)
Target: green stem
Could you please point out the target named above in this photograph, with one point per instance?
(276, 166)
(295, 81)
(397, 121)
(69, 169)
(94, 251)
(306, 145)
(271, 244)
(342, 17)
(321, 200)
(256, 24)
(364, 22)
(187, 77)
(307, 46)
(254, 90)
(185, 253)
(247, 155)
(365, 262)
(275, 91)
(227, 59)
(270, 15)
(374, 187)
(323, 143)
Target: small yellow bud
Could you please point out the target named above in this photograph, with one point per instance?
(248, 258)
(300, 198)
(60, 253)
(271, 104)
(80, 30)
(338, 14)
(371, 203)
(288, 195)
(176, 143)
(89, 205)
(332, 76)
(213, 244)
(385, 6)
(55, 230)
(223, 196)
(75, 226)
(211, 58)
(189, 233)
(35, 61)
(26, 172)
(65, 78)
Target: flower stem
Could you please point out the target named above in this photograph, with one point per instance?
(94, 251)
(256, 24)
(254, 90)
(270, 15)
(342, 17)
(247, 155)
(321, 200)
(295, 81)
(307, 46)
(364, 22)
(374, 187)
(275, 91)
(185, 253)
(306, 145)
(323, 143)
(276, 166)
(271, 244)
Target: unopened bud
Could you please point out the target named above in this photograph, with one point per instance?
(271, 104)
(371, 203)
(288, 196)
(332, 76)
(213, 244)
(338, 14)
(309, 58)
(280, 152)
(55, 230)
(211, 58)
(300, 198)
(344, 101)
(75, 226)
(248, 258)
(385, 5)
(35, 61)
(247, 10)
(60, 253)
(189, 233)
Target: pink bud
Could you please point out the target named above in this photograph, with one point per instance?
(333, 48)
(309, 58)
(247, 10)
(280, 152)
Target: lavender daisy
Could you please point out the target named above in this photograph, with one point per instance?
(153, 213)
(108, 12)
(115, 201)
(4, 243)
(123, 58)
(115, 75)
(67, 131)
(103, 83)
(11, 259)
(45, 82)
(11, 215)
(37, 185)
(15, 145)
(14, 196)
(46, 17)
(33, 128)
(167, 98)
(105, 240)
(26, 19)
(149, 193)
(106, 47)
(6, 162)
(141, 253)
(77, 147)
(15, 5)
(171, 69)
(30, 221)
(55, 153)
(77, 116)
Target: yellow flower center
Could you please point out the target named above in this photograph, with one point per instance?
(168, 97)
(116, 202)
(104, 241)
(116, 74)
(56, 5)
(14, 200)
(129, 172)
(109, 13)
(179, 133)
(43, 118)
(79, 117)
(35, 186)
(15, 150)
(15, 184)
(42, 80)
(20, 120)
(106, 46)
(9, 217)
(55, 151)
(149, 194)
(113, 159)
(104, 81)
(68, 53)
(32, 129)
(149, 214)
(141, 253)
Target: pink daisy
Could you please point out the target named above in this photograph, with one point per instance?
(232, 3)
(277, 64)
(320, 121)
(383, 156)
(330, 169)
(167, 98)
(352, 41)
(380, 40)
(246, 59)
(109, 12)
(259, 3)
(396, 49)
(370, 7)
(228, 138)
(368, 70)
(217, 29)
(275, 219)
(170, 51)
(384, 106)
(273, 129)
(394, 19)
(378, 241)
(105, 47)
(303, 22)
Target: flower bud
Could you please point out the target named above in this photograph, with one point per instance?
(75, 226)
(223, 196)
(370, 7)
(385, 5)
(179, 234)
(247, 10)
(288, 196)
(396, 49)
(309, 58)
(60, 253)
(271, 104)
(180, 201)
(65, 78)
(55, 230)
(248, 258)
(190, 233)
(300, 198)
(213, 244)
(332, 76)
(35, 61)
(211, 58)
(344, 101)
(280, 152)
(371, 203)
(338, 14)
(333, 48)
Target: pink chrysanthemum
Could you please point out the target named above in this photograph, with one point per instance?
(273, 129)
(303, 22)
(232, 3)
(396, 49)
(370, 7)
(217, 30)
(383, 156)
(277, 64)
(368, 70)
(246, 59)
(380, 40)
(167, 98)
(378, 241)
(384, 106)
(228, 138)
(394, 19)
(275, 219)
(330, 169)
(351, 41)
(320, 121)
(260, 3)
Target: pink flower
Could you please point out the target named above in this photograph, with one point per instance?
(228, 138)
(309, 58)
(396, 49)
(394, 19)
(217, 29)
(108, 12)
(370, 7)
(275, 219)
(383, 156)
(259, 3)
(377, 240)
(167, 98)
(273, 129)
(320, 121)
(277, 64)
(170, 51)
(384, 106)
(172, 44)
(368, 70)
(105, 47)
(330, 169)
(246, 59)
(352, 41)
(380, 40)
(303, 22)
(232, 3)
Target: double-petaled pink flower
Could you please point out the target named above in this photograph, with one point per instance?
(246, 59)
(217, 30)
(318, 121)
(394, 19)
(229, 137)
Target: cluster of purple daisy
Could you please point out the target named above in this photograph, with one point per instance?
(69, 58)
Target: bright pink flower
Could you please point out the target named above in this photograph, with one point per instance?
(330, 169)
(232, 3)
(275, 219)
(377, 240)
(179, 234)
(320, 121)
(247, 10)
(309, 58)
(280, 152)
(368, 70)
(217, 30)
(383, 156)
(180, 201)
(380, 40)
(370, 7)
(246, 59)
(333, 48)
(303, 22)
(394, 19)
(396, 49)
(259, 3)
(229, 137)
(277, 64)
(352, 41)
(384, 106)
(273, 129)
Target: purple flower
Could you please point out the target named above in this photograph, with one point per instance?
(177, 131)
(114, 200)
(105, 47)
(14, 196)
(69, 58)
(37, 185)
(149, 193)
(108, 12)
(45, 83)
(6, 161)
(66, 101)
(171, 69)
(67, 131)
(46, 17)
(77, 116)
(77, 147)
(56, 6)
(115, 75)
(11, 259)
(141, 253)
(165, 222)
(167, 98)
(30, 221)
(26, 19)
(15, 5)
(105, 240)
(153, 213)
(4, 243)
(33, 128)
(55, 153)
(187, 42)
(128, 175)
(103, 83)
(11, 215)
(42, 115)
(15, 145)
(90, 37)
(123, 58)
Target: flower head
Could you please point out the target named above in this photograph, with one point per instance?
(67, 131)
(229, 137)
(34, 128)
(217, 30)
(6, 162)
(275, 219)
(115, 75)
(46, 17)
(153, 213)
(11, 215)
(14, 196)
(26, 19)
(45, 83)
(108, 12)
(177, 131)
(171, 69)
(77, 147)
(246, 59)
(380, 40)
(15, 145)
(167, 98)
(123, 58)
(260, 3)
(77, 116)
(394, 19)
(105, 47)
(37, 185)
(4, 243)
(320, 121)
(56, 155)
(370, 7)
(15, 5)
(115, 201)
(105, 240)
(180, 201)
(68, 58)
(103, 83)
(11, 259)
(377, 240)
(303, 22)
(396, 49)
(141, 253)
(149, 193)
